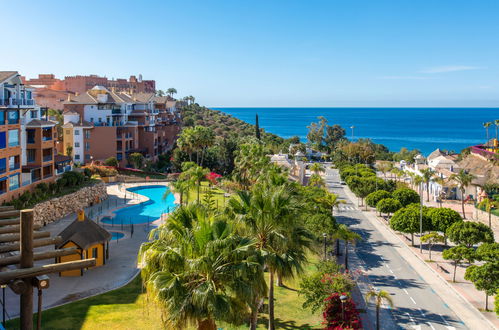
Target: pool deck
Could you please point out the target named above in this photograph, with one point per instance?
(120, 268)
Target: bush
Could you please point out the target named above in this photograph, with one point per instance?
(87, 172)
(373, 198)
(111, 161)
(388, 205)
(341, 315)
(406, 196)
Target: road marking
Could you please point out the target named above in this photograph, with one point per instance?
(391, 271)
(446, 306)
(406, 291)
(451, 328)
(431, 325)
(413, 300)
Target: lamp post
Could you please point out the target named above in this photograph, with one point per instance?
(352, 127)
(343, 299)
(324, 235)
(420, 223)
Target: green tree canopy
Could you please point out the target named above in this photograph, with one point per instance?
(485, 278)
(111, 161)
(488, 252)
(442, 218)
(388, 205)
(457, 255)
(136, 159)
(469, 233)
(373, 198)
(406, 220)
(406, 196)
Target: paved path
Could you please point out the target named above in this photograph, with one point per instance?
(391, 266)
(120, 268)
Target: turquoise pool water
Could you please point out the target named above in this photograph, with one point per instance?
(116, 235)
(147, 211)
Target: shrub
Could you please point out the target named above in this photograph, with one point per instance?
(341, 315)
(406, 196)
(373, 198)
(388, 205)
(111, 161)
(87, 172)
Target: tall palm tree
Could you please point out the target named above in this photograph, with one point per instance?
(270, 216)
(427, 175)
(496, 123)
(488, 205)
(180, 187)
(160, 93)
(379, 296)
(463, 180)
(316, 180)
(417, 180)
(171, 91)
(200, 270)
(330, 200)
(347, 236)
(196, 175)
(486, 126)
(441, 181)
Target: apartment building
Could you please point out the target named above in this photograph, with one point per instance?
(27, 140)
(102, 123)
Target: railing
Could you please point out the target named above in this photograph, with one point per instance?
(14, 167)
(35, 179)
(31, 160)
(12, 101)
(46, 138)
(13, 187)
(31, 140)
(47, 158)
(46, 176)
(2, 191)
(14, 144)
(26, 183)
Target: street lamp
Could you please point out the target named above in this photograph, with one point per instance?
(40, 282)
(343, 299)
(352, 127)
(324, 235)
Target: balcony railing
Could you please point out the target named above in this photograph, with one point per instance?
(47, 158)
(26, 183)
(49, 175)
(45, 138)
(31, 140)
(14, 187)
(13, 101)
(14, 167)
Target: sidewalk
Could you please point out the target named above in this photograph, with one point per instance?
(450, 294)
(120, 268)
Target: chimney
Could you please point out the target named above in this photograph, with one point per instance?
(81, 215)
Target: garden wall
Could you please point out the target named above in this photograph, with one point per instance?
(56, 208)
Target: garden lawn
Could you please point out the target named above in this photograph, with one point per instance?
(128, 308)
(217, 194)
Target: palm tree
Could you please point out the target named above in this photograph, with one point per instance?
(427, 175)
(488, 205)
(270, 216)
(160, 93)
(379, 296)
(317, 168)
(171, 91)
(192, 99)
(463, 180)
(200, 270)
(180, 187)
(330, 200)
(441, 195)
(316, 180)
(486, 126)
(196, 175)
(349, 237)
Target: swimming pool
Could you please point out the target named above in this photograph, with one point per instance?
(146, 211)
(116, 235)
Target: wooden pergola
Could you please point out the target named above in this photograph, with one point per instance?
(18, 233)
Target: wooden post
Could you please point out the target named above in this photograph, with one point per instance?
(27, 262)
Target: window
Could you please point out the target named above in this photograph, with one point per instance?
(33, 114)
(91, 119)
(3, 165)
(77, 144)
(13, 163)
(87, 134)
(31, 155)
(87, 157)
(119, 156)
(87, 146)
(77, 157)
(3, 140)
(13, 138)
(2, 117)
(94, 253)
(13, 116)
(14, 182)
(30, 135)
(77, 132)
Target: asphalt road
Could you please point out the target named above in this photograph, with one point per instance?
(416, 305)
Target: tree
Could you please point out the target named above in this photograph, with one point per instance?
(488, 252)
(330, 201)
(432, 238)
(315, 133)
(463, 180)
(373, 198)
(469, 233)
(323, 282)
(485, 278)
(200, 270)
(427, 175)
(457, 255)
(443, 218)
(195, 174)
(316, 180)
(334, 134)
(341, 314)
(406, 220)
(136, 159)
(406, 196)
(317, 168)
(171, 91)
(111, 161)
(388, 205)
(496, 303)
(488, 205)
(384, 167)
(496, 123)
(379, 296)
(69, 151)
(257, 128)
(160, 93)
(347, 236)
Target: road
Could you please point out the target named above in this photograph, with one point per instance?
(416, 305)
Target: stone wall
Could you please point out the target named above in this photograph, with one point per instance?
(56, 208)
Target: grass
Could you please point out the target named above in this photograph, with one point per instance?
(218, 195)
(128, 308)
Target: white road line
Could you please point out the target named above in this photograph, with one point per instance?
(413, 300)
(431, 326)
(391, 271)
(407, 293)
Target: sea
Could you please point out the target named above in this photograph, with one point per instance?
(426, 129)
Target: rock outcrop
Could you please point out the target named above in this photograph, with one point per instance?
(56, 208)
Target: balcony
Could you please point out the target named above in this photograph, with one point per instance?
(47, 158)
(14, 167)
(16, 102)
(46, 176)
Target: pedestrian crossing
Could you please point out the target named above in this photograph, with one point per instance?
(346, 208)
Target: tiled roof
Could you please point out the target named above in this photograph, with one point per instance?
(84, 123)
(40, 122)
(84, 234)
(142, 97)
(4, 75)
(84, 98)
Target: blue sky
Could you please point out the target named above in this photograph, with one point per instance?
(269, 53)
